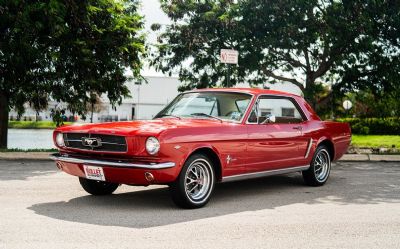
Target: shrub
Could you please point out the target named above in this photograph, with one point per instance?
(373, 126)
(359, 128)
(364, 130)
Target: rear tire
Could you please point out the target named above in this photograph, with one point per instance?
(195, 183)
(97, 187)
(320, 168)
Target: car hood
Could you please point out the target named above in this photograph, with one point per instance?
(142, 127)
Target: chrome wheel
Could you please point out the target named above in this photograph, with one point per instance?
(198, 180)
(320, 167)
(322, 164)
(195, 184)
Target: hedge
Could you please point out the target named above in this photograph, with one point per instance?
(373, 126)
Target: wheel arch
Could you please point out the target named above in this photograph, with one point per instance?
(329, 144)
(213, 155)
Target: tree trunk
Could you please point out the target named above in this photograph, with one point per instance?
(3, 120)
(309, 92)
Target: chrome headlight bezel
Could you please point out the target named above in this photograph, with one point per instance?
(152, 145)
(60, 140)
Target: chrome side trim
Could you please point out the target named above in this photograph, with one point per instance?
(308, 148)
(264, 173)
(69, 159)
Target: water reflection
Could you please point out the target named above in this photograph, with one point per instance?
(30, 138)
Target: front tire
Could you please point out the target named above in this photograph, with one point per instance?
(97, 187)
(320, 168)
(195, 183)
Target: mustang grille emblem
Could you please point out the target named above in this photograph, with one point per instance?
(92, 142)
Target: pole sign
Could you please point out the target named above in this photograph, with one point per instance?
(347, 105)
(229, 56)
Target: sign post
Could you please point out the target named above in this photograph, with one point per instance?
(347, 106)
(229, 56)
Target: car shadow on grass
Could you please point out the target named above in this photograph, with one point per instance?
(150, 208)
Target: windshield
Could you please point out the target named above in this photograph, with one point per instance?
(218, 105)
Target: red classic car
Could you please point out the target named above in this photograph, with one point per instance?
(203, 137)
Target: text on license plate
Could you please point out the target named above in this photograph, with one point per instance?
(94, 173)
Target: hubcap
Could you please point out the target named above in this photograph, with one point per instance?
(321, 165)
(198, 179)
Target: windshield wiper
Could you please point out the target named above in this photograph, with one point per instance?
(200, 114)
(169, 115)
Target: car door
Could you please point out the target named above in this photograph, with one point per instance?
(279, 144)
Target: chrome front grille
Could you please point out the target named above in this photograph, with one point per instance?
(106, 143)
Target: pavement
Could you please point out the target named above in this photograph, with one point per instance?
(346, 157)
(359, 207)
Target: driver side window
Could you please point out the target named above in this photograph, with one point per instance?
(284, 109)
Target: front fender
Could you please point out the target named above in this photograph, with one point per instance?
(192, 149)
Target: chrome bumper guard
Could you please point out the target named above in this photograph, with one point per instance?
(118, 164)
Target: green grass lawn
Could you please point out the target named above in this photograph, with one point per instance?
(376, 141)
(33, 124)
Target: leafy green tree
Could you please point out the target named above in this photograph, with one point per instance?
(66, 51)
(304, 42)
(369, 105)
(376, 70)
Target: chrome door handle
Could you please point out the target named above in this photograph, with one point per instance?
(297, 128)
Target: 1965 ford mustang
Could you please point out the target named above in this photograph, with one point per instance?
(203, 137)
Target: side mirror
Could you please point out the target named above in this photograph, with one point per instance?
(269, 118)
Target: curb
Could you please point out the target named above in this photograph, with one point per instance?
(44, 156)
(355, 157)
(370, 158)
(24, 156)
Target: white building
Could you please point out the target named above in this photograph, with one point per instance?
(146, 101)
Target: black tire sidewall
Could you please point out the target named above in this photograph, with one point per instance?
(97, 187)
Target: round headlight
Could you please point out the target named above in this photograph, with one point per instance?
(60, 140)
(152, 145)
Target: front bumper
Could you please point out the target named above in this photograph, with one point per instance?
(122, 172)
(70, 159)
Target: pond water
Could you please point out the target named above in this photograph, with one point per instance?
(30, 139)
